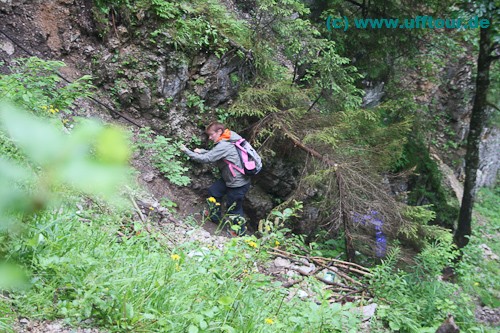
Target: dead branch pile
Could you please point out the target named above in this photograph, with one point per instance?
(343, 278)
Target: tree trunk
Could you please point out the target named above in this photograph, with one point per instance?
(477, 121)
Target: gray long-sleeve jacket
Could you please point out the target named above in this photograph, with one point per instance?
(223, 150)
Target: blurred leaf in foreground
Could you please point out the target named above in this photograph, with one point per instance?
(91, 159)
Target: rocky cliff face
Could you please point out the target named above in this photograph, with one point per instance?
(455, 100)
(487, 174)
(450, 102)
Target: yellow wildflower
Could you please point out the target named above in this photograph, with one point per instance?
(217, 203)
(151, 208)
(175, 257)
(252, 244)
(212, 199)
(269, 321)
(44, 107)
(276, 243)
(476, 283)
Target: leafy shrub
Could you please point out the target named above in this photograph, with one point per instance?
(165, 155)
(195, 101)
(275, 229)
(419, 301)
(191, 25)
(35, 86)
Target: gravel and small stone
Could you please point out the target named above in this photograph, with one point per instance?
(25, 325)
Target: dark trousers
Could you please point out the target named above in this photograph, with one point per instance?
(234, 198)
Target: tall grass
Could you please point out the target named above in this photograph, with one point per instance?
(480, 271)
(84, 270)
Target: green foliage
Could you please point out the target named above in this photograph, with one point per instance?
(200, 81)
(196, 34)
(268, 99)
(223, 115)
(277, 21)
(362, 133)
(420, 214)
(275, 229)
(479, 270)
(324, 245)
(165, 155)
(169, 204)
(377, 50)
(280, 11)
(417, 230)
(9, 150)
(42, 167)
(325, 70)
(195, 141)
(330, 76)
(426, 185)
(91, 159)
(165, 9)
(80, 274)
(487, 206)
(40, 164)
(196, 102)
(228, 27)
(414, 298)
(7, 316)
(267, 69)
(35, 86)
(419, 301)
(188, 25)
(436, 256)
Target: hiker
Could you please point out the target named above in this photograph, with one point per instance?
(233, 184)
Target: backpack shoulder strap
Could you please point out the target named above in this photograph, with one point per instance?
(233, 167)
(243, 151)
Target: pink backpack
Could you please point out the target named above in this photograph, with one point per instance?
(250, 159)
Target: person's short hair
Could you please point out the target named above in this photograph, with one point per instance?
(215, 126)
